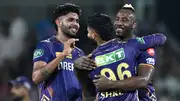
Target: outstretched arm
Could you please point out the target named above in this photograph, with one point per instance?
(149, 41)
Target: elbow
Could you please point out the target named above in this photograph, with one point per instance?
(35, 79)
(163, 39)
(144, 82)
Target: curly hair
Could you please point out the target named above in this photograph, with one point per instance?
(65, 9)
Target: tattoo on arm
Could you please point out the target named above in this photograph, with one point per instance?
(45, 73)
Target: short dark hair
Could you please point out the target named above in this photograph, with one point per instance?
(103, 25)
(65, 9)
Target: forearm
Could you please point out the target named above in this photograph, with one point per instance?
(130, 83)
(44, 72)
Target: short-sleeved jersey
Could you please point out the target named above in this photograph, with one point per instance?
(116, 60)
(147, 57)
(62, 85)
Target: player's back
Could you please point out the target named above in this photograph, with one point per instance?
(62, 85)
(115, 60)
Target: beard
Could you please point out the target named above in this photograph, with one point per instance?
(67, 32)
(124, 34)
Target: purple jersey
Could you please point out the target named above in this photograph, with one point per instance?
(116, 60)
(62, 85)
(147, 57)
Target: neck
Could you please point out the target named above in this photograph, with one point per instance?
(61, 37)
(26, 98)
(99, 42)
(130, 36)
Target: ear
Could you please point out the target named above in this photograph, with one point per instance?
(57, 22)
(95, 35)
(134, 25)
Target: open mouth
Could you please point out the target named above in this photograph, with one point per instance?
(74, 28)
(119, 28)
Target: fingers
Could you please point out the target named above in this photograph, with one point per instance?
(86, 67)
(72, 40)
(99, 76)
(89, 56)
(95, 81)
(89, 63)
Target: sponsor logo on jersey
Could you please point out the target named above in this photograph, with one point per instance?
(68, 56)
(38, 53)
(66, 66)
(111, 57)
(150, 61)
(110, 94)
(140, 40)
(151, 51)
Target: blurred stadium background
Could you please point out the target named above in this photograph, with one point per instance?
(23, 23)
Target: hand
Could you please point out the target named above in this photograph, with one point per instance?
(102, 83)
(68, 46)
(85, 62)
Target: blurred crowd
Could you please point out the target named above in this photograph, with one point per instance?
(18, 38)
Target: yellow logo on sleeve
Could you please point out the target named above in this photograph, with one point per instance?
(68, 56)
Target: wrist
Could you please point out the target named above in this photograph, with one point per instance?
(62, 55)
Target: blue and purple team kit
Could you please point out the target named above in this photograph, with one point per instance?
(62, 85)
(147, 57)
(117, 60)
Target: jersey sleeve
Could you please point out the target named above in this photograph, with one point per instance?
(147, 57)
(149, 41)
(41, 53)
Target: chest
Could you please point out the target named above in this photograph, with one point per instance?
(67, 63)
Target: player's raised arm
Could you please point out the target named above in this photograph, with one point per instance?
(150, 41)
(42, 70)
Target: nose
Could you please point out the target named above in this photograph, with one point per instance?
(118, 23)
(76, 24)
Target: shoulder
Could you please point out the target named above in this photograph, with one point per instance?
(139, 40)
(45, 43)
(79, 51)
(149, 52)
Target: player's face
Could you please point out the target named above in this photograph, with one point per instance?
(70, 24)
(124, 23)
(18, 90)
